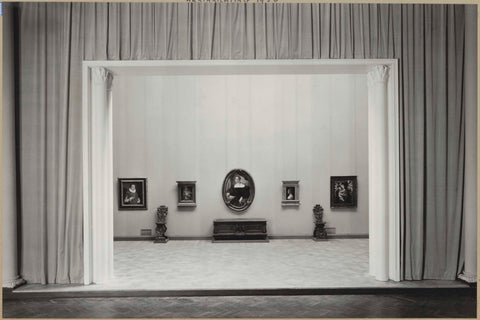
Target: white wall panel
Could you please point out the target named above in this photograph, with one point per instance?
(288, 127)
(358, 222)
(305, 125)
(186, 125)
(321, 148)
(277, 127)
(263, 168)
(342, 140)
(212, 147)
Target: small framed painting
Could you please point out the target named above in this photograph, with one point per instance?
(132, 194)
(291, 193)
(187, 193)
(343, 192)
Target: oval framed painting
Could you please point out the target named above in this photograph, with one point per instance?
(238, 190)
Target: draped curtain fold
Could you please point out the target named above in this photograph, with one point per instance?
(54, 38)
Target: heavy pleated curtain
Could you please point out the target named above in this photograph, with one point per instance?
(54, 38)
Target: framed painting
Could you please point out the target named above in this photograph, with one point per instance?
(343, 192)
(132, 193)
(290, 193)
(187, 193)
(238, 190)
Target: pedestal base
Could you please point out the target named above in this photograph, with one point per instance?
(320, 234)
(161, 240)
(160, 236)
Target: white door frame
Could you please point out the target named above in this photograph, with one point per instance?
(98, 183)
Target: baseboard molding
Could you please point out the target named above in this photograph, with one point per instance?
(191, 238)
(145, 238)
(289, 237)
(348, 236)
(151, 238)
(331, 236)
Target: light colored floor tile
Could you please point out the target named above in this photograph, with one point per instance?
(201, 264)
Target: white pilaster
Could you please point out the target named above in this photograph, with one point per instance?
(378, 172)
(101, 181)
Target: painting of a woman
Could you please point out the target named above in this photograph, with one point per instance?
(238, 190)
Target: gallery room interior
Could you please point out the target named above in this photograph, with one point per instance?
(165, 160)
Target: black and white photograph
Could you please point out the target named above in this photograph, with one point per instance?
(276, 159)
(132, 193)
(343, 192)
(238, 190)
(187, 196)
(291, 193)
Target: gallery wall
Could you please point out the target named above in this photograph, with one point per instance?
(276, 127)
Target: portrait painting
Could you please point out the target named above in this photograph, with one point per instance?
(132, 193)
(186, 193)
(238, 190)
(343, 192)
(290, 193)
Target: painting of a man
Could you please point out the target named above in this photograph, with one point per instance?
(186, 193)
(132, 194)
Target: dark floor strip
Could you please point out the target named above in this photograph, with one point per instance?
(8, 294)
(305, 306)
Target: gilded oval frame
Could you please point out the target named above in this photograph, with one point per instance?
(238, 194)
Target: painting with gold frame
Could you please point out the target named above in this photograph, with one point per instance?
(343, 192)
(187, 193)
(132, 193)
(291, 193)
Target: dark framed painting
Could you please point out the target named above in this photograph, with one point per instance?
(132, 193)
(238, 190)
(187, 193)
(343, 192)
(290, 193)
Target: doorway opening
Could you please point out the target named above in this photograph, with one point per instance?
(98, 141)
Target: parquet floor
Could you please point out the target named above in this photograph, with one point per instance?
(323, 306)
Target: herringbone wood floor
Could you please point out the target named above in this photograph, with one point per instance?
(322, 306)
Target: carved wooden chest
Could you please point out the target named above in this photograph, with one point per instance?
(240, 230)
